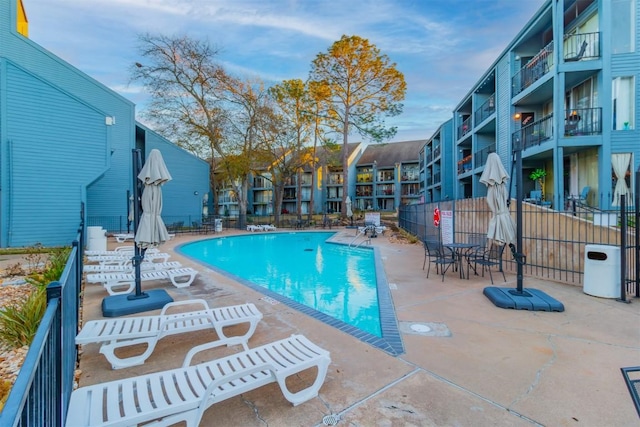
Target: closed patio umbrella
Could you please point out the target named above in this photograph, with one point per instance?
(347, 201)
(501, 226)
(151, 230)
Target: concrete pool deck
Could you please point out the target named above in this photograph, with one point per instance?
(479, 365)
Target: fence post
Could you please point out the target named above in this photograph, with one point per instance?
(54, 290)
(623, 248)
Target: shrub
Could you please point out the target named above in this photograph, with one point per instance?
(5, 388)
(19, 321)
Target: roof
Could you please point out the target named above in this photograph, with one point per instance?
(387, 155)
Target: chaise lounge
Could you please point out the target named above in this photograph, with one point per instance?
(129, 331)
(180, 278)
(183, 394)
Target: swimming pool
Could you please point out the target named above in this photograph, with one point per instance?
(343, 286)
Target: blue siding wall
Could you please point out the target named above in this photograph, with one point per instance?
(190, 175)
(46, 158)
(53, 133)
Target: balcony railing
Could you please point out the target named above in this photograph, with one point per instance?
(535, 133)
(485, 110)
(579, 47)
(465, 165)
(583, 121)
(480, 156)
(465, 127)
(533, 70)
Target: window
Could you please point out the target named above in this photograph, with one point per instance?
(622, 26)
(623, 109)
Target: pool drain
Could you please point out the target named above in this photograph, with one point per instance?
(330, 420)
(308, 250)
(417, 327)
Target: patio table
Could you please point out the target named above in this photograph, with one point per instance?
(460, 250)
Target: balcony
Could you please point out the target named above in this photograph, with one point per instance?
(480, 156)
(583, 121)
(581, 47)
(536, 133)
(465, 127)
(533, 70)
(465, 165)
(485, 110)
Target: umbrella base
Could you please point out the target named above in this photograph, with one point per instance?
(528, 299)
(121, 305)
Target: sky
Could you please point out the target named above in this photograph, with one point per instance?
(442, 47)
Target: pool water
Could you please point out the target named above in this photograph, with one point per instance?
(337, 280)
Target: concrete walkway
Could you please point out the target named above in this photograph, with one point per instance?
(479, 365)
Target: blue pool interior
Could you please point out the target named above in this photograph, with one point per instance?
(343, 286)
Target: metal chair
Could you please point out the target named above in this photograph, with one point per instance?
(480, 240)
(490, 258)
(441, 257)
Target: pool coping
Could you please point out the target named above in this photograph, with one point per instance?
(391, 340)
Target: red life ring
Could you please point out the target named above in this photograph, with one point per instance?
(436, 217)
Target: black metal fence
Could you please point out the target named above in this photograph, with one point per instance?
(41, 392)
(190, 224)
(553, 241)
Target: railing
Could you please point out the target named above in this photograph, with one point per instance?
(533, 70)
(553, 240)
(583, 121)
(465, 165)
(485, 110)
(578, 47)
(480, 156)
(41, 392)
(465, 127)
(535, 133)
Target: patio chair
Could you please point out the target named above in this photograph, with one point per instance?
(117, 333)
(144, 266)
(480, 242)
(577, 56)
(123, 237)
(491, 258)
(582, 197)
(114, 282)
(442, 258)
(183, 394)
(124, 258)
(535, 197)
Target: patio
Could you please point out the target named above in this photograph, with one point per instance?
(478, 365)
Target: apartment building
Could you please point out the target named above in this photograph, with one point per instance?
(565, 93)
(380, 177)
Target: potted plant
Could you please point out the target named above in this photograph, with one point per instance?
(537, 176)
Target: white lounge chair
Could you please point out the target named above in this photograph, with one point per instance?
(128, 331)
(183, 394)
(120, 268)
(254, 228)
(120, 250)
(125, 258)
(123, 237)
(269, 227)
(113, 282)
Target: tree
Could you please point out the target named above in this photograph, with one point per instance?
(364, 88)
(199, 106)
(293, 101)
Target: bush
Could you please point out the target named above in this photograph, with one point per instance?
(5, 388)
(19, 321)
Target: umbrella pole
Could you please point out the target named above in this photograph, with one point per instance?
(138, 254)
(519, 197)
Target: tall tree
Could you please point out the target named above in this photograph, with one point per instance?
(365, 88)
(199, 106)
(293, 102)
